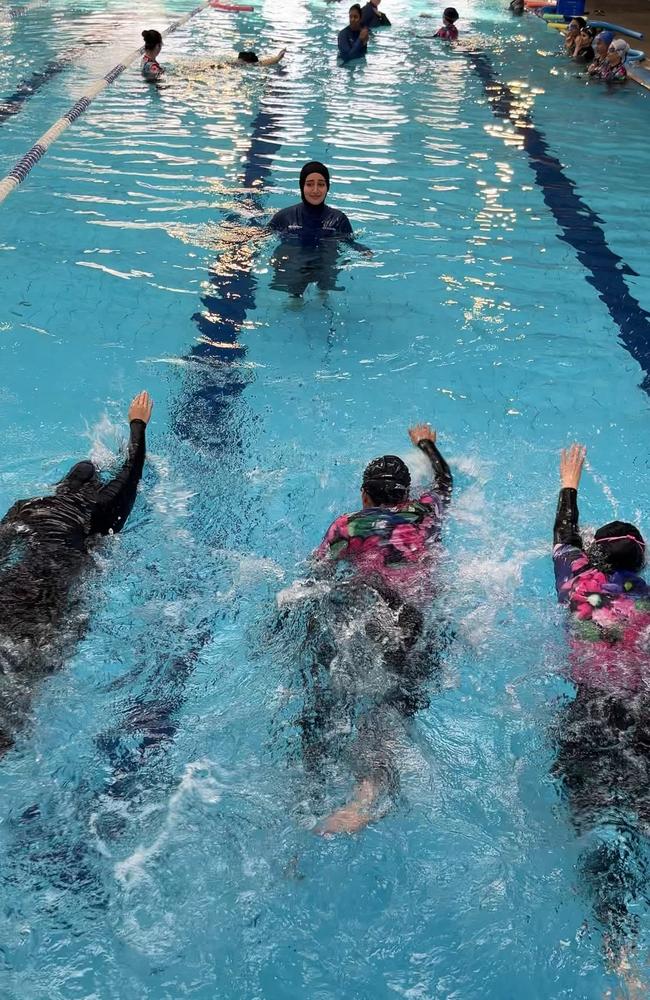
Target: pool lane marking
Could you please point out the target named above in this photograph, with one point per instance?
(581, 227)
(21, 170)
(230, 297)
(29, 86)
(25, 8)
(156, 714)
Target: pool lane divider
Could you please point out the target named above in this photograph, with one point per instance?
(581, 227)
(21, 170)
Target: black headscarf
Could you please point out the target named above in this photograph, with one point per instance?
(313, 167)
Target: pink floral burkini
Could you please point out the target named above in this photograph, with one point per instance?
(610, 628)
(392, 542)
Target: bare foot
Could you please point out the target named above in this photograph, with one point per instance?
(347, 819)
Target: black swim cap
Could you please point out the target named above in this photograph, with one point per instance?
(386, 480)
(151, 38)
(247, 57)
(618, 545)
(450, 14)
(313, 167)
(79, 475)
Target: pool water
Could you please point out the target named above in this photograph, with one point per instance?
(156, 832)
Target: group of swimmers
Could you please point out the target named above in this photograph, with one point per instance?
(603, 55)
(153, 71)
(352, 40)
(390, 548)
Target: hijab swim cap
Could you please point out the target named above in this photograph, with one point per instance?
(450, 14)
(605, 37)
(80, 475)
(618, 45)
(387, 480)
(618, 545)
(313, 167)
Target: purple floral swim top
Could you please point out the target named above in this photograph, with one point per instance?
(610, 622)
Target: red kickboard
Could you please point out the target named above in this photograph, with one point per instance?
(232, 7)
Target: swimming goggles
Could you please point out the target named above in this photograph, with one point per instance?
(621, 538)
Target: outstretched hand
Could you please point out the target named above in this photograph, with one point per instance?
(141, 407)
(572, 460)
(422, 432)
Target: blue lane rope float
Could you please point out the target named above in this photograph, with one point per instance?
(26, 163)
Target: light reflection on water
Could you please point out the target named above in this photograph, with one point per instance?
(157, 817)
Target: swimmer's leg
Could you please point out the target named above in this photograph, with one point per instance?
(357, 813)
(377, 776)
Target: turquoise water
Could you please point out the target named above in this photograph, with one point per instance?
(186, 866)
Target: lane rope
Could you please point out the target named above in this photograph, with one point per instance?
(21, 170)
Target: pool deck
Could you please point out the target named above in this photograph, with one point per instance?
(633, 14)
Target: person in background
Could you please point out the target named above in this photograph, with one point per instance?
(602, 43)
(448, 32)
(45, 544)
(251, 58)
(575, 27)
(516, 6)
(151, 68)
(353, 40)
(604, 733)
(583, 50)
(390, 548)
(372, 17)
(613, 69)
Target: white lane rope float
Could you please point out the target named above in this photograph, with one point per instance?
(26, 163)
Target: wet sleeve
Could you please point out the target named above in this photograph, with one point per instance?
(335, 543)
(349, 49)
(383, 20)
(569, 559)
(442, 478)
(565, 529)
(116, 498)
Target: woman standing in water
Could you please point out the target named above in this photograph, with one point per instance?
(151, 68)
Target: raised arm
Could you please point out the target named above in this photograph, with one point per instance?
(424, 437)
(115, 500)
(565, 529)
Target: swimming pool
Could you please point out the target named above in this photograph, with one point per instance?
(155, 835)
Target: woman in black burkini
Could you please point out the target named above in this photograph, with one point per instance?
(311, 232)
(44, 546)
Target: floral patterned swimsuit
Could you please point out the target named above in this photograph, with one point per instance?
(151, 68)
(394, 543)
(610, 620)
(612, 74)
